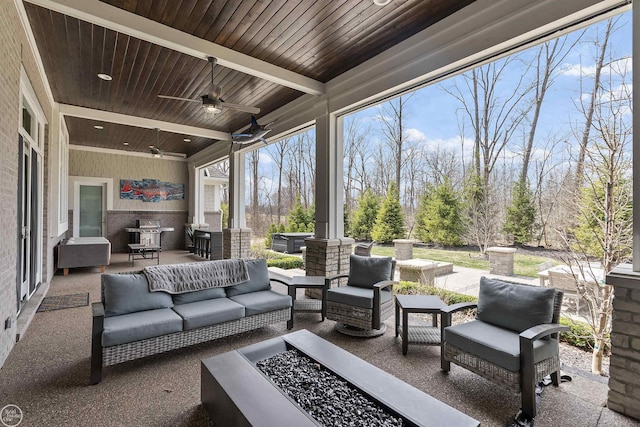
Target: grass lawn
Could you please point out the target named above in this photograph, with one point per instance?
(524, 265)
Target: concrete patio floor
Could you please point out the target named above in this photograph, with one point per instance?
(47, 373)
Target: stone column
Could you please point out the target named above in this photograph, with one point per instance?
(236, 243)
(501, 260)
(624, 372)
(404, 249)
(327, 257)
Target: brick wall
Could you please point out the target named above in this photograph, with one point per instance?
(14, 51)
(236, 243)
(327, 257)
(624, 372)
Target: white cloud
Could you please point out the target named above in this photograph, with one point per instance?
(264, 158)
(622, 66)
(413, 134)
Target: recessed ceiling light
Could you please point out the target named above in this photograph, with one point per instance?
(106, 77)
(98, 127)
(186, 140)
(125, 143)
(151, 146)
(381, 2)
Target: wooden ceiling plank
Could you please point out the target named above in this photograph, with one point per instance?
(245, 24)
(187, 11)
(216, 26)
(119, 20)
(248, 38)
(295, 33)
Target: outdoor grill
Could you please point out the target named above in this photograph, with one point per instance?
(148, 232)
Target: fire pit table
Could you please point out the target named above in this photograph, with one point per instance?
(235, 392)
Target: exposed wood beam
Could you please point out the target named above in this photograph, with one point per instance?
(119, 20)
(123, 119)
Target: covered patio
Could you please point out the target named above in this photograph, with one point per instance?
(301, 64)
(47, 374)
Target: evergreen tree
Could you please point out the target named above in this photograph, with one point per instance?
(364, 217)
(273, 228)
(521, 215)
(300, 219)
(346, 216)
(390, 221)
(421, 228)
(592, 220)
(439, 218)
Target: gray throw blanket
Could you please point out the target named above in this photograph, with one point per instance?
(195, 276)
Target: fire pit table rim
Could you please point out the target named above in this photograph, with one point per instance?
(242, 389)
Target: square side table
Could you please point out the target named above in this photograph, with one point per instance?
(418, 334)
(305, 305)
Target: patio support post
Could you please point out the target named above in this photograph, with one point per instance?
(327, 253)
(236, 238)
(624, 388)
(193, 196)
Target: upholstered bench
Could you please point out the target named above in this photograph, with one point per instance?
(84, 252)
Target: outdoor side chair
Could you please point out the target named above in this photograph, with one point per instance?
(361, 307)
(513, 341)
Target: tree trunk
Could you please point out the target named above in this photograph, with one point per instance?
(589, 113)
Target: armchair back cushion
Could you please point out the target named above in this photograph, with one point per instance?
(258, 279)
(514, 306)
(364, 272)
(129, 293)
(205, 294)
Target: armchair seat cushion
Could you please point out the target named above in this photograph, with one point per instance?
(495, 344)
(356, 296)
(204, 313)
(262, 302)
(140, 325)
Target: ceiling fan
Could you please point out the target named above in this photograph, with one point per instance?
(211, 102)
(156, 152)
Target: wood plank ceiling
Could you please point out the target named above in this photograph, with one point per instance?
(317, 39)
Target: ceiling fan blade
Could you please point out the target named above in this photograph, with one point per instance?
(177, 98)
(245, 108)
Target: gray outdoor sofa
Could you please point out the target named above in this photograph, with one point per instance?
(132, 322)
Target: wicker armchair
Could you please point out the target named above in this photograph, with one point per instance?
(513, 341)
(361, 307)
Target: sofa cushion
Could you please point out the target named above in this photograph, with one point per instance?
(262, 302)
(140, 325)
(129, 293)
(258, 279)
(202, 295)
(359, 297)
(208, 312)
(497, 345)
(513, 305)
(364, 272)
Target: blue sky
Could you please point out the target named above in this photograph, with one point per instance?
(431, 114)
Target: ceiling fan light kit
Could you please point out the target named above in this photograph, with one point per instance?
(212, 104)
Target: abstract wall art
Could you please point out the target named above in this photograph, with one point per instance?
(150, 190)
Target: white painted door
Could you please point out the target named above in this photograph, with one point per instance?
(91, 210)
